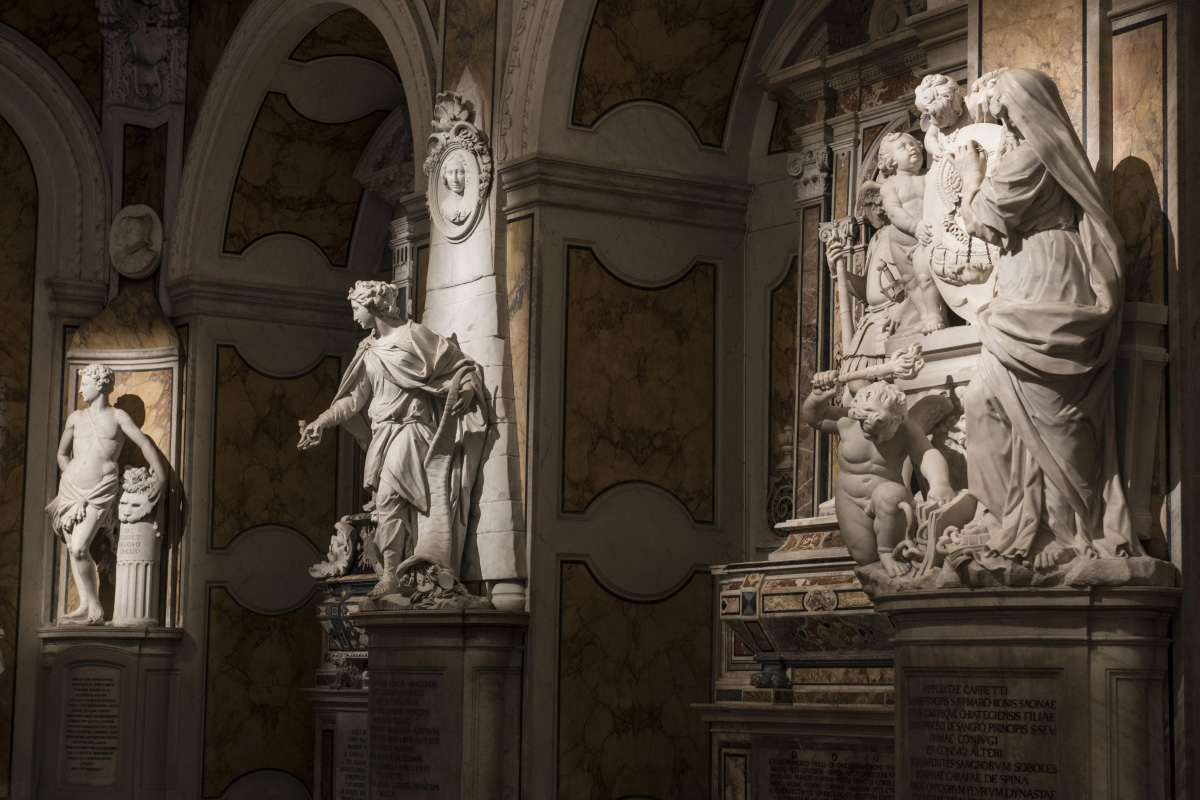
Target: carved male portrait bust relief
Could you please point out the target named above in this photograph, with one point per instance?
(135, 241)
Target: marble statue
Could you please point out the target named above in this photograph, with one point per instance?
(962, 266)
(902, 190)
(136, 591)
(416, 404)
(87, 490)
(882, 289)
(1041, 442)
(876, 511)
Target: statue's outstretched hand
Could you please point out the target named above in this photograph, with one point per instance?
(310, 435)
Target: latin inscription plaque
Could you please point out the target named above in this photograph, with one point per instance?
(91, 726)
(406, 724)
(350, 776)
(807, 771)
(979, 736)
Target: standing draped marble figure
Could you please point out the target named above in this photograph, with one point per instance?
(1041, 441)
(416, 403)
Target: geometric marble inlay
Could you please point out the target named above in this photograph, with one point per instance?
(639, 385)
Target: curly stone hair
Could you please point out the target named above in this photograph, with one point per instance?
(936, 90)
(887, 153)
(102, 375)
(882, 395)
(378, 297)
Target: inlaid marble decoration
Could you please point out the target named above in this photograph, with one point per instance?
(297, 176)
(18, 243)
(69, 31)
(346, 33)
(1041, 35)
(810, 283)
(841, 185)
(254, 714)
(132, 321)
(887, 90)
(685, 55)
(145, 167)
(783, 362)
(209, 28)
(1138, 154)
(787, 119)
(259, 476)
(639, 385)
(422, 277)
(519, 275)
(435, 14)
(468, 65)
(628, 676)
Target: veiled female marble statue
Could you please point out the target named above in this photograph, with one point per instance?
(416, 403)
(1041, 444)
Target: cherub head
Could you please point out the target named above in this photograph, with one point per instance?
(879, 408)
(454, 173)
(95, 380)
(138, 487)
(373, 297)
(900, 152)
(984, 103)
(940, 101)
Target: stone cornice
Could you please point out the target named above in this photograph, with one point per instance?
(534, 181)
(193, 297)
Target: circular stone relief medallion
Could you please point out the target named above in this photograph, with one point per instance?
(135, 241)
(455, 196)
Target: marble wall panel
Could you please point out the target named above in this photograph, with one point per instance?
(435, 13)
(810, 283)
(628, 675)
(422, 278)
(686, 55)
(209, 28)
(469, 54)
(132, 321)
(841, 185)
(346, 33)
(519, 271)
(787, 119)
(69, 30)
(887, 90)
(18, 243)
(259, 476)
(254, 714)
(639, 385)
(145, 167)
(1043, 35)
(1139, 150)
(783, 365)
(297, 176)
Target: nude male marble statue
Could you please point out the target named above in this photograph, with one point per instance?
(90, 482)
(416, 404)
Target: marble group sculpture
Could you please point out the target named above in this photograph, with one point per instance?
(1044, 503)
(416, 404)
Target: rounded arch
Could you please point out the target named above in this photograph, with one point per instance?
(264, 37)
(55, 124)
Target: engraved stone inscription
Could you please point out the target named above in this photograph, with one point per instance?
(403, 726)
(91, 727)
(973, 737)
(350, 779)
(805, 773)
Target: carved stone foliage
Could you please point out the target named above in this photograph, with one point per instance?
(459, 167)
(811, 169)
(145, 52)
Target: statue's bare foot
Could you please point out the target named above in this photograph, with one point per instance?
(80, 614)
(932, 324)
(1052, 555)
(95, 615)
(894, 568)
(388, 584)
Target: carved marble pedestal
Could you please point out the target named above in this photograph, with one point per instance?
(109, 713)
(1051, 693)
(803, 685)
(342, 746)
(444, 703)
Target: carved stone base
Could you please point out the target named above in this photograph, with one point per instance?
(342, 744)
(1056, 692)
(444, 703)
